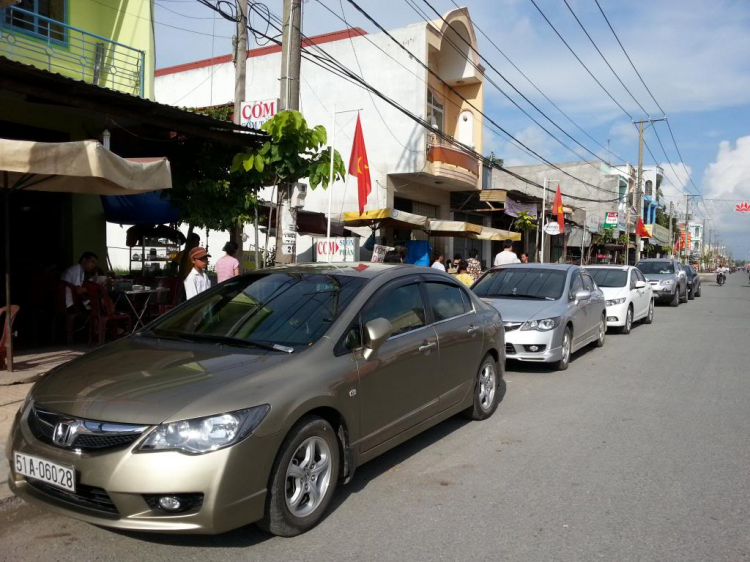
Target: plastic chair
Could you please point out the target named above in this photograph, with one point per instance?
(69, 317)
(103, 315)
(14, 308)
(166, 301)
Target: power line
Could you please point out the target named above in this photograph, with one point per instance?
(605, 58)
(625, 111)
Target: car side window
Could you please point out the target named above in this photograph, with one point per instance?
(633, 279)
(639, 275)
(588, 282)
(576, 284)
(446, 300)
(403, 307)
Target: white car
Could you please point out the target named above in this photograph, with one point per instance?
(629, 296)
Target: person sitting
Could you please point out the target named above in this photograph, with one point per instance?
(227, 266)
(197, 280)
(437, 260)
(463, 274)
(87, 266)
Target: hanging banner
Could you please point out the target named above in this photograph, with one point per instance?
(379, 252)
(514, 208)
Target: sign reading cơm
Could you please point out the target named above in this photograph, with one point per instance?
(255, 113)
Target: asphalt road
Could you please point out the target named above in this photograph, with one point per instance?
(640, 451)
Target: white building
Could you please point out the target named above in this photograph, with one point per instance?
(410, 170)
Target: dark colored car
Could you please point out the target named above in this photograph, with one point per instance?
(693, 281)
(668, 279)
(252, 400)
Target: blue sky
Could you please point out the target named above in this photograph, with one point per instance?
(694, 56)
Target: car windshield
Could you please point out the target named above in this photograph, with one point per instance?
(659, 267)
(275, 311)
(609, 277)
(522, 283)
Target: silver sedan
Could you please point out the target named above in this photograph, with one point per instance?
(549, 311)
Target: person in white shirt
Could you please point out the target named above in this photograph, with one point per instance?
(197, 281)
(76, 275)
(507, 255)
(437, 261)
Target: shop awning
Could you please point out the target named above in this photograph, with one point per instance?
(145, 208)
(456, 229)
(386, 218)
(496, 234)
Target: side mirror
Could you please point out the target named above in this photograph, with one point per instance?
(640, 284)
(583, 295)
(377, 331)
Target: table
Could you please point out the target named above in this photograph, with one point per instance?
(133, 293)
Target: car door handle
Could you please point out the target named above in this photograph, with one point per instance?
(472, 330)
(427, 346)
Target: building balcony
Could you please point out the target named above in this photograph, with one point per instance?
(54, 46)
(452, 169)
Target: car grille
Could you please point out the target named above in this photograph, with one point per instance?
(84, 496)
(42, 425)
(510, 326)
(509, 349)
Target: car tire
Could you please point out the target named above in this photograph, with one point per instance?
(676, 299)
(628, 321)
(698, 292)
(313, 449)
(489, 389)
(602, 331)
(567, 347)
(691, 293)
(650, 316)
(684, 299)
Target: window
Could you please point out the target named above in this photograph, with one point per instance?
(639, 275)
(402, 307)
(446, 301)
(588, 282)
(435, 110)
(576, 284)
(649, 188)
(633, 279)
(609, 277)
(657, 267)
(522, 283)
(282, 309)
(37, 21)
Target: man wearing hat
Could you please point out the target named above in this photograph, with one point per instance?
(197, 281)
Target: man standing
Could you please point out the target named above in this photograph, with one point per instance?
(507, 255)
(76, 275)
(474, 265)
(437, 261)
(524, 258)
(197, 281)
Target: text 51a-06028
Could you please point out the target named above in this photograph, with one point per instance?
(46, 471)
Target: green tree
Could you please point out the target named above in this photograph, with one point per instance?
(524, 222)
(292, 152)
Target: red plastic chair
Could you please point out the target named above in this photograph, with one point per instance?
(14, 308)
(103, 315)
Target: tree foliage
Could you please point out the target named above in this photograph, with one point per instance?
(524, 222)
(293, 151)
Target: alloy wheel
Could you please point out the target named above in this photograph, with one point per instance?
(566, 347)
(487, 386)
(308, 476)
(629, 320)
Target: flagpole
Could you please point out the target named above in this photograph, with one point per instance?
(330, 176)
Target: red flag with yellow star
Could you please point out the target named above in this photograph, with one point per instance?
(359, 167)
(557, 209)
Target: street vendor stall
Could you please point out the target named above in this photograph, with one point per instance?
(84, 167)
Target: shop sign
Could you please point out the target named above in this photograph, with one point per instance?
(611, 220)
(552, 228)
(255, 113)
(339, 249)
(379, 252)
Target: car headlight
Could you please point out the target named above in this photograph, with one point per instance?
(542, 325)
(615, 302)
(203, 435)
(667, 282)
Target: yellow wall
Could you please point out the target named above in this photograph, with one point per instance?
(125, 21)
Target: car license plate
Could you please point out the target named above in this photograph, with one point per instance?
(46, 471)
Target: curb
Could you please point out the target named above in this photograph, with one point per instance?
(9, 379)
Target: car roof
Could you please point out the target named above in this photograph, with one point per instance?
(366, 270)
(560, 266)
(609, 266)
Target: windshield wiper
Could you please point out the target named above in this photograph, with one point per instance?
(225, 340)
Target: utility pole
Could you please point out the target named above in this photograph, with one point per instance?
(638, 188)
(687, 228)
(703, 243)
(291, 57)
(671, 243)
(627, 217)
(240, 62)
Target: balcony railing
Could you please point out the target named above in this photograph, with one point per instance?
(57, 47)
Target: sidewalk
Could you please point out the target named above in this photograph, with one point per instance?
(28, 368)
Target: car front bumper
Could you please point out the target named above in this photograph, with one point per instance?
(664, 292)
(616, 315)
(517, 343)
(233, 482)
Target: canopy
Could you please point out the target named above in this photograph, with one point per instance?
(457, 229)
(496, 234)
(144, 209)
(386, 218)
(71, 167)
(78, 167)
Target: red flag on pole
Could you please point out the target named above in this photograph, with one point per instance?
(359, 167)
(557, 209)
(640, 229)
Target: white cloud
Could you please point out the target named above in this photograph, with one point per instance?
(676, 179)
